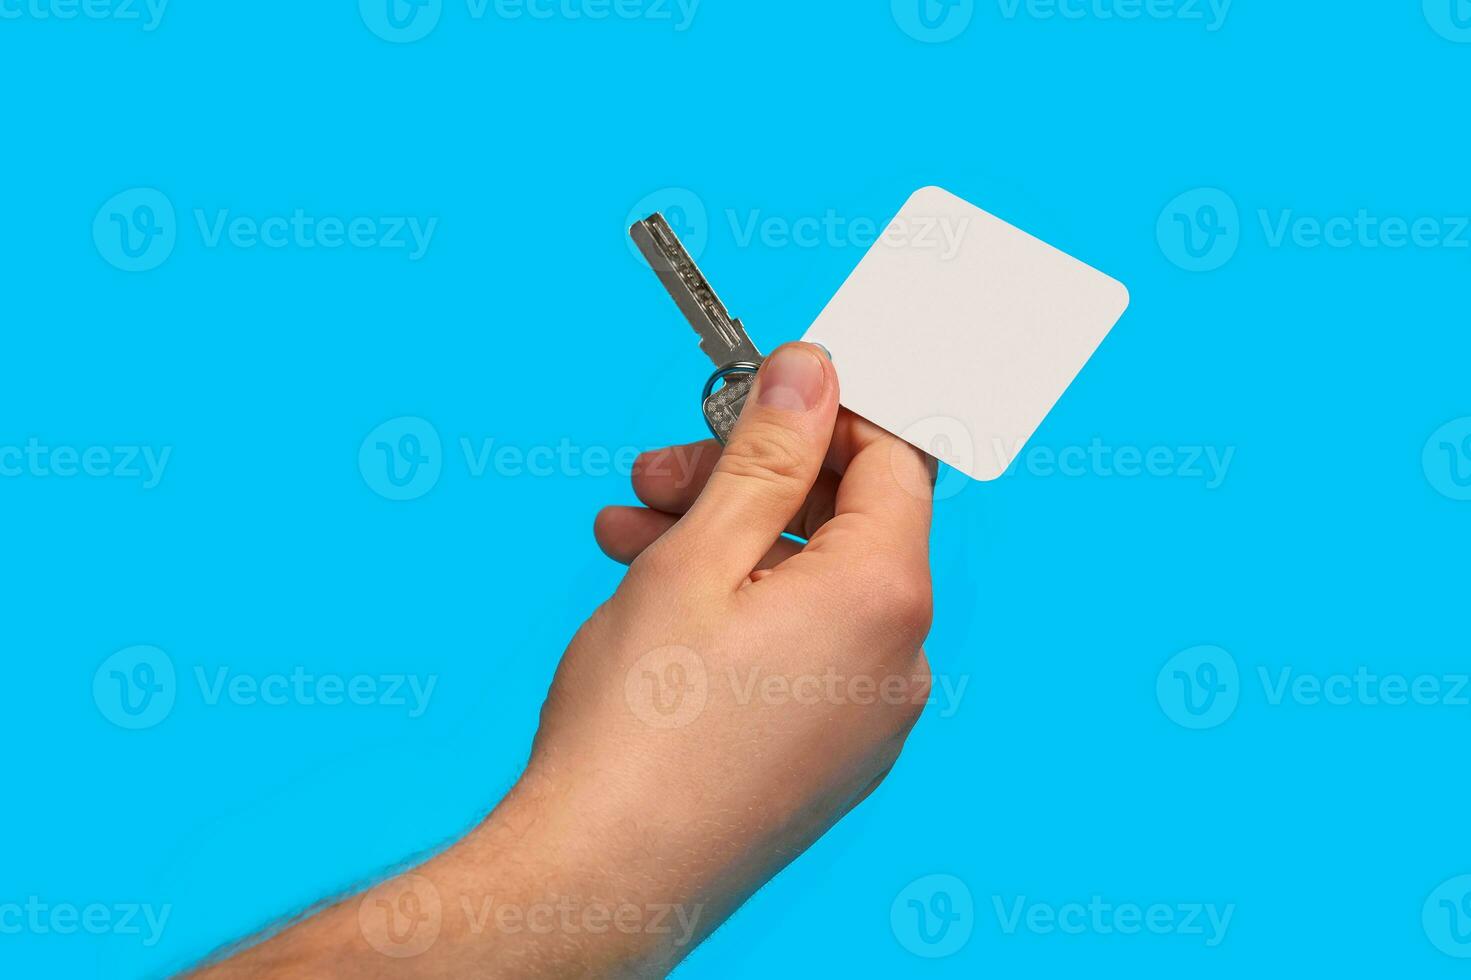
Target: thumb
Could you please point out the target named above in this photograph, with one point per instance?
(773, 458)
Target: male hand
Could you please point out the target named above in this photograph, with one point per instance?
(735, 697)
(741, 691)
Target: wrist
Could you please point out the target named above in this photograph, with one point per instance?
(552, 883)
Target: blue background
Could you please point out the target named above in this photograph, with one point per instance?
(1329, 545)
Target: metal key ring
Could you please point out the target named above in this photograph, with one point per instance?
(738, 367)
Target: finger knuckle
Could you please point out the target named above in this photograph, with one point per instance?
(920, 685)
(671, 575)
(908, 604)
(768, 454)
(658, 561)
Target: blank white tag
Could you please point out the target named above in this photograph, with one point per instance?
(958, 332)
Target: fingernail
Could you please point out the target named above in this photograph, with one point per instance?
(825, 352)
(790, 379)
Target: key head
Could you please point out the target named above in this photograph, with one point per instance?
(723, 408)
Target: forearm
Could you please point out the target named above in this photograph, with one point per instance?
(522, 895)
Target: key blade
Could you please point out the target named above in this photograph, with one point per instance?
(722, 337)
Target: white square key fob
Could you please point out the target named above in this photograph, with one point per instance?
(958, 332)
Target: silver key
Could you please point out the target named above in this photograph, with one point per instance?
(722, 337)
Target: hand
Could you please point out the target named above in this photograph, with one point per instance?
(741, 692)
(736, 696)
